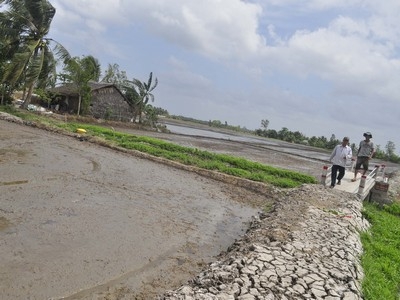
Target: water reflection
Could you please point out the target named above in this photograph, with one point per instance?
(218, 135)
(296, 149)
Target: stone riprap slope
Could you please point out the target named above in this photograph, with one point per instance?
(308, 247)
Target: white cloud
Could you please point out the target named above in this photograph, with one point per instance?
(330, 4)
(103, 11)
(219, 29)
(294, 61)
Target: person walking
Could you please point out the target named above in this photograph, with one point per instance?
(366, 151)
(340, 154)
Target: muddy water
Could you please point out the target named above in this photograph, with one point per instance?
(306, 152)
(299, 150)
(78, 221)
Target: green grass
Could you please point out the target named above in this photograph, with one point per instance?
(222, 163)
(381, 257)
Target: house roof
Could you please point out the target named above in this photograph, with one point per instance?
(70, 89)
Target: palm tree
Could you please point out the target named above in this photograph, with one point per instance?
(143, 94)
(23, 29)
(7, 50)
(92, 66)
(115, 76)
(80, 71)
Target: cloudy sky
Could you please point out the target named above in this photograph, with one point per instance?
(321, 67)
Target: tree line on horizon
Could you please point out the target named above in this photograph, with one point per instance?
(297, 137)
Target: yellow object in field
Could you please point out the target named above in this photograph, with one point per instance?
(80, 130)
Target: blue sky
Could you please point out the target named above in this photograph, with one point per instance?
(321, 67)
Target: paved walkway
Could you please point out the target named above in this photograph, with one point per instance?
(347, 185)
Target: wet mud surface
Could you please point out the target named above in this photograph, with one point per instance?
(81, 221)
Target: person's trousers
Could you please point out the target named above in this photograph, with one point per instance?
(335, 169)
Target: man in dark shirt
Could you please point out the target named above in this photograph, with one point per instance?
(366, 151)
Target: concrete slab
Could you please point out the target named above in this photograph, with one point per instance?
(347, 185)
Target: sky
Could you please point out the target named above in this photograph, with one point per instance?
(320, 67)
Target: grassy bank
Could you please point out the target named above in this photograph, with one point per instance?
(381, 257)
(226, 164)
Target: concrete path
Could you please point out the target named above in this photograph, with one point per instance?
(347, 185)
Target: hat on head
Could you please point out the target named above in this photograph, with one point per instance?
(368, 134)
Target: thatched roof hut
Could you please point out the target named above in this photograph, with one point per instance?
(107, 101)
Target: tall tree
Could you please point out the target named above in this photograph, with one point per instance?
(284, 134)
(115, 76)
(7, 50)
(143, 94)
(264, 124)
(390, 147)
(333, 141)
(92, 66)
(79, 72)
(24, 25)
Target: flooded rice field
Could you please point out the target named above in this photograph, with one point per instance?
(80, 221)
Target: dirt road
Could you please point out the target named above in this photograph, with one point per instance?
(80, 221)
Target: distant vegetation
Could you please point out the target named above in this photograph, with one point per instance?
(213, 123)
(29, 62)
(322, 142)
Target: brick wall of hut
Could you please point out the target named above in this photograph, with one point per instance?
(108, 103)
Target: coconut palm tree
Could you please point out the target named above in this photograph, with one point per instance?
(7, 50)
(79, 72)
(113, 75)
(92, 66)
(24, 26)
(143, 95)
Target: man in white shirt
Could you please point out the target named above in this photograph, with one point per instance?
(340, 154)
